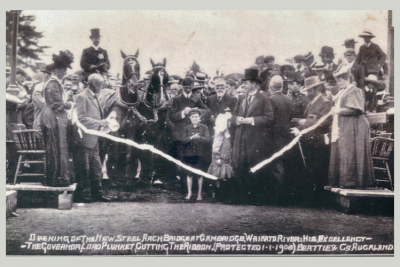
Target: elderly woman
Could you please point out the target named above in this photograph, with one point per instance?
(351, 162)
(54, 124)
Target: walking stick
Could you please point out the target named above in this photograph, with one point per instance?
(302, 155)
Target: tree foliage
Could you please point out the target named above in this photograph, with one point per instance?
(195, 68)
(28, 48)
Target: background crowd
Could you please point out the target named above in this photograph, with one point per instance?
(223, 124)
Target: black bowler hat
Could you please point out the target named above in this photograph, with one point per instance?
(251, 74)
(188, 81)
(95, 33)
(326, 50)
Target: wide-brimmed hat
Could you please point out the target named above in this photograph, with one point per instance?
(327, 50)
(172, 80)
(201, 77)
(268, 58)
(342, 70)
(299, 58)
(197, 85)
(349, 41)
(64, 59)
(366, 34)
(349, 51)
(311, 82)
(380, 86)
(48, 69)
(95, 33)
(251, 74)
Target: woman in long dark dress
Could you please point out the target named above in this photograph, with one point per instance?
(351, 163)
(54, 124)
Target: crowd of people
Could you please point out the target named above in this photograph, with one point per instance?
(250, 119)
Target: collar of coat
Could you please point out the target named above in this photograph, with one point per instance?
(96, 47)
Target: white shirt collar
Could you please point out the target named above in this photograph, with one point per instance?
(96, 47)
(220, 95)
(368, 45)
(253, 94)
(93, 94)
(187, 95)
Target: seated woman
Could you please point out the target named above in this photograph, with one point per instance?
(351, 163)
(194, 139)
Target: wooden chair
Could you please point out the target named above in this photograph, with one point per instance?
(382, 149)
(29, 144)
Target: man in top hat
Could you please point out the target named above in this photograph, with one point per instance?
(280, 128)
(327, 55)
(37, 96)
(356, 70)
(316, 142)
(251, 117)
(370, 55)
(348, 43)
(94, 59)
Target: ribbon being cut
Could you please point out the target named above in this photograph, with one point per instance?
(113, 126)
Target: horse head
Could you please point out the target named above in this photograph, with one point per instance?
(131, 77)
(156, 92)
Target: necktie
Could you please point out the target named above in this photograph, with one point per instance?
(219, 98)
(98, 103)
(249, 100)
(329, 67)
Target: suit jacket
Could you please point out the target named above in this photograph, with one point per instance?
(313, 113)
(195, 147)
(252, 142)
(370, 57)
(88, 112)
(217, 107)
(174, 114)
(91, 56)
(328, 73)
(280, 128)
(358, 73)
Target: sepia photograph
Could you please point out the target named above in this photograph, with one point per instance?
(200, 132)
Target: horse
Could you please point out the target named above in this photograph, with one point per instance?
(141, 113)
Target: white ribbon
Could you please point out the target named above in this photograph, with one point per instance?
(141, 147)
(291, 144)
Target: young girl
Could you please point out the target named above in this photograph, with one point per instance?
(194, 139)
(221, 150)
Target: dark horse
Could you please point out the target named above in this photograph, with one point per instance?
(141, 113)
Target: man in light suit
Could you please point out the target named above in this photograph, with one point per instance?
(86, 153)
(252, 116)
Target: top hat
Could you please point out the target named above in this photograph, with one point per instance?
(251, 74)
(349, 41)
(380, 86)
(64, 59)
(95, 33)
(327, 50)
(311, 82)
(268, 58)
(366, 34)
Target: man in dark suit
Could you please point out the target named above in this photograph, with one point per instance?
(178, 115)
(327, 57)
(219, 102)
(251, 117)
(370, 56)
(315, 143)
(356, 70)
(280, 128)
(94, 59)
(86, 152)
